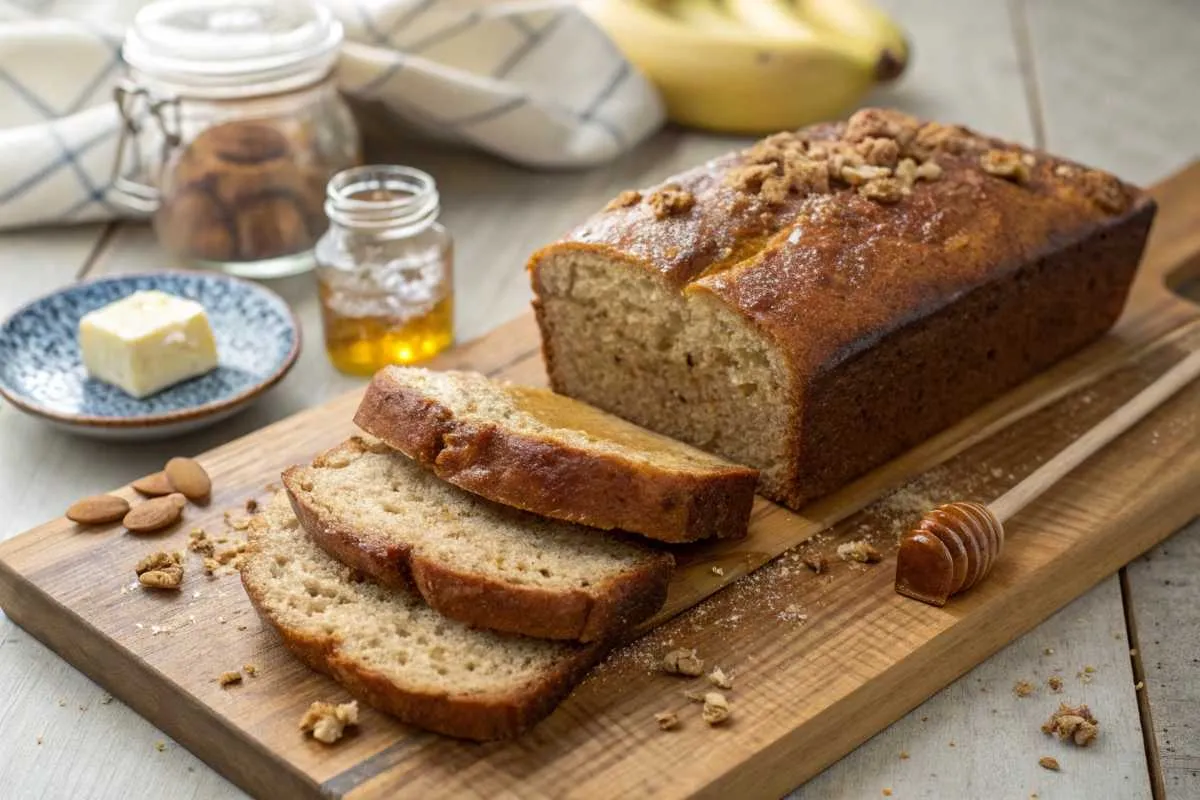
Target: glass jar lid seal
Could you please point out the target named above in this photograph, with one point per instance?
(216, 48)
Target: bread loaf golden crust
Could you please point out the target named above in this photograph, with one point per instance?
(585, 483)
(959, 273)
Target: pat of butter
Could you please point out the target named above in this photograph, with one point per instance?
(147, 341)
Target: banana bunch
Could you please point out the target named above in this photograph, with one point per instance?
(756, 66)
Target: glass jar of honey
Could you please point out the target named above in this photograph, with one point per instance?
(384, 269)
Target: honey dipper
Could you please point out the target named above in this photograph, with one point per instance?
(956, 545)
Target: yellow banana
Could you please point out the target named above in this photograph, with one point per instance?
(753, 66)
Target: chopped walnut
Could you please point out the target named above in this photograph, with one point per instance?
(229, 678)
(211, 565)
(750, 177)
(683, 662)
(1005, 164)
(671, 199)
(1023, 688)
(1049, 762)
(328, 722)
(667, 720)
(250, 670)
(816, 562)
(627, 198)
(883, 124)
(861, 551)
(934, 137)
(160, 570)
(719, 679)
(1074, 723)
(198, 542)
(1104, 190)
(857, 176)
(929, 171)
(884, 190)
(716, 708)
(1065, 171)
(879, 152)
(1055, 683)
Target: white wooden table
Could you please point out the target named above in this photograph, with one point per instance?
(1108, 82)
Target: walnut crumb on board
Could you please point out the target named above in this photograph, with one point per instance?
(1055, 683)
(327, 722)
(816, 562)
(250, 670)
(716, 708)
(1023, 688)
(719, 679)
(667, 720)
(683, 662)
(627, 198)
(670, 200)
(229, 678)
(1073, 723)
(1049, 762)
(861, 551)
(198, 542)
(160, 571)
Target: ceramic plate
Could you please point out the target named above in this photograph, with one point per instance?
(42, 374)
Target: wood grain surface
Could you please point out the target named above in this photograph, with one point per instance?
(821, 661)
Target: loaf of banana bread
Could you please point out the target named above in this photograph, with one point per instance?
(816, 304)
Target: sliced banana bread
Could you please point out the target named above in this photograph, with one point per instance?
(392, 650)
(473, 560)
(544, 452)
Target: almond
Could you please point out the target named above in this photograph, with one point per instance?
(155, 485)
(187, 476)
(155, 514)
(98, 509)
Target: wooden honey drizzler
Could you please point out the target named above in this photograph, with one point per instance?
(956, 545)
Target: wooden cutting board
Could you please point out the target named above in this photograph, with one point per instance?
(820, 662)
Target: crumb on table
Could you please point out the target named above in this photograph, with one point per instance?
(1049, 762)
(860, 550)
(327, 722)
(1023, 688)
(1073, 723)
(683, 662)
(667, 720)
(229, 678)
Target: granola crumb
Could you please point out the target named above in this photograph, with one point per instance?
(816, 562)
(1073, 723)
(327, 722)
(670, 200)
(229, 678)
(627, 198)
(667, 720)
(160, 570)
(1049, 762)
(719, 679)
(1055, 683)
(1023, 688)
(250, 670)
(718, 571)
(683, 662)
(861, 551)
(716, 708)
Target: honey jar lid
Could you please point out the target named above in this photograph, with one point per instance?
(232, 48)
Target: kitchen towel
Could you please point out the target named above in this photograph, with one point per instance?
(534, 82)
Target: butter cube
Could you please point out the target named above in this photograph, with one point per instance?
(147, 341)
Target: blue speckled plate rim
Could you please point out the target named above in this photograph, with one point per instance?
(169, 417)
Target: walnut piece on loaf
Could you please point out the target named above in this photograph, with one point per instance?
(670, 200)
(328, 722)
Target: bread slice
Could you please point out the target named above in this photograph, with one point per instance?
(393, 651)
(544, 452)
(475, 561)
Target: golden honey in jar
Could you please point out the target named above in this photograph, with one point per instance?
(384, 270)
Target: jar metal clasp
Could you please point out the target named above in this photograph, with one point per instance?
(136, 106)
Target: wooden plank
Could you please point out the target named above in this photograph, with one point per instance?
(1080, 107)
(807, 692)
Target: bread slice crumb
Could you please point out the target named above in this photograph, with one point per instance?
(861, 551)
(716, 708)
(229, 678)
(1050, 763)
(667, 720)
(328, 722)
(1073, 723)
(683, 662)
(719, 679)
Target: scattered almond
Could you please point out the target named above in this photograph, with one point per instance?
(160, 571)
(667, 720)
(155, 485)
(328, 722)
(98, 509)
(188, 477)
(716, 708)
(683, 662)
(1049, 762)
(154, 515)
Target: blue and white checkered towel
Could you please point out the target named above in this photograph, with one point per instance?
(534, 81)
